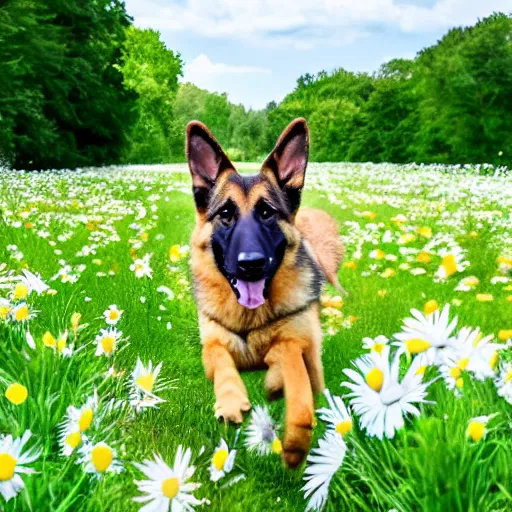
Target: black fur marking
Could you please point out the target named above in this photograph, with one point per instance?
(304, 259)
(293, 196)
(201, 197)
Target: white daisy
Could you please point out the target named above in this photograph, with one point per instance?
(467, 284)
(260, 434)
(79, 419)
(33, 282)
(99, 459)
(13, 464)
(223, 461)
(379, 398)
(452, 261)
(376, 344)
(141, 267)
(322, 464)
(112, 314)
(167, 488)
(144, 384)
(428, 335)
(106, 341)
(336, 414)
(70, 438)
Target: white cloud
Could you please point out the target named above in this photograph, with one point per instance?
(202, 65)
(305, 23)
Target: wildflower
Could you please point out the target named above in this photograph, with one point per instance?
(322, 464)
(423, 257)
(467, 284)
(16, 393)
(382, 293)
(223, 461)
(452, 262)
(144, 385)
(476, 430)
(70, 438)
(350, 264)
(260, 434)
(430, 306)
(425, 232)
(379, 398)
(429, 334)
(389, 272)
(106, 341)
(75, 322)
(141, 267)
(5, 308)
(112, 314)
(177, 253)
(20, 291)
(377, 254)
(484, 297)
(21, 313)
(336, 414)
(505, 334)
(331, 302)
(167, 488)
(376, 344)
(13, 464)
(99, 459)
(504, 382)
(79, 418)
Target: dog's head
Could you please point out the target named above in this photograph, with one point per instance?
(250, 216)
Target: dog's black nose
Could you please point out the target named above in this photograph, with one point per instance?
(251, 264)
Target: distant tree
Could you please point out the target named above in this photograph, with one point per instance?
(62, 99)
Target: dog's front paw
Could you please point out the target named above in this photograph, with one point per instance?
(231, 406)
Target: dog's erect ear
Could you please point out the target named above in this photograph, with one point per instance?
(288, 160)
(206, 161)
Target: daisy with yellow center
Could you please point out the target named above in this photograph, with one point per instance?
(177, 253)
(379, 398)
(467, 284)
(141, 267)
(476, 429)
(5, 309)
(376, 344)
(106, 341)
(21, 313)
(16, 393)
(13, 464)
(223, 461)
(428, 335)
(168, 488)
(20, 292)
(112, 314)
(260, 434)
(377, 254)
(452, 261)
(77, 421)
(336, 415)
(144, 384)
(99, 459)
(70, 438)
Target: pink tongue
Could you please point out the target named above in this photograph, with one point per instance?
(251, 293)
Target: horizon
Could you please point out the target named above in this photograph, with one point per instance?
(279, 43)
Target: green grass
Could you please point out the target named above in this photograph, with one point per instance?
(430, 465)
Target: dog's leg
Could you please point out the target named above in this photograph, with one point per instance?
(274, 382)
(313, 360)
(230, 394)
(287, 356)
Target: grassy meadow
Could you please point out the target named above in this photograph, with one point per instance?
(413, 234)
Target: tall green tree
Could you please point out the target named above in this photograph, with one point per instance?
(152, 71)
(62, 99)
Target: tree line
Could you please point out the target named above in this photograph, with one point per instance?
(80, 86)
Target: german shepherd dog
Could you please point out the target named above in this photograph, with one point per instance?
(258, 264)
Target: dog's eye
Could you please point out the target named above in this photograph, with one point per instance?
(227, 213)
(265, 211)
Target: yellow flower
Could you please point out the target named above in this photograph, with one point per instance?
(16, 393)
(430, 306)
(425, 232)
(423, 257)
(378, 254)
(101, 457)
(20, 291)
(4, 311)
(369, 215)
(21, 313)
(350, 264)
(484, 297)
(389, 272)
(473, 234)
(475, 430)
(406, 239)
(505, 334)
(174, 253)
(49, 340)
(382, 293)
(277, 446)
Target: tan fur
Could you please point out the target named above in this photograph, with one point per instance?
(284, 334)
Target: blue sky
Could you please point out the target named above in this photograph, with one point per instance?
(256, 49)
